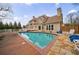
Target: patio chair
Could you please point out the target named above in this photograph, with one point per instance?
(71, 32)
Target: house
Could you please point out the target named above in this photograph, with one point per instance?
(45, 23)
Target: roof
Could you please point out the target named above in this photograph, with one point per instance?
(45, 19)
(53, 19)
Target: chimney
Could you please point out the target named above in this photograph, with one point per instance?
(59, 13)
(33, 17)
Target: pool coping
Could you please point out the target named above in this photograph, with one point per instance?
(42, 51)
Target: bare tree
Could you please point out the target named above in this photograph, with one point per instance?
(73, 18)
(6, 11)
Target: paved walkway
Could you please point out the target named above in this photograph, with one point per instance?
(12, 44)
(62, 46)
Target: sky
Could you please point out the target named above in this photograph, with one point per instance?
(23, 12)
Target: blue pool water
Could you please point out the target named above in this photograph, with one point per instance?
(38, 38)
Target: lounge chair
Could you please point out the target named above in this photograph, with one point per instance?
(74, 38)
(72, 31)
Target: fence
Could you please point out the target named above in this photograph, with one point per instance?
(67, 27)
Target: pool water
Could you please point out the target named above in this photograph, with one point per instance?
(38, 38)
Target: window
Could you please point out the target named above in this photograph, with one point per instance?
(47, 27)
(31, 24)
(51, 27)
(39, 27)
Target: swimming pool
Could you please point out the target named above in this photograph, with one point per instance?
(38, 38)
